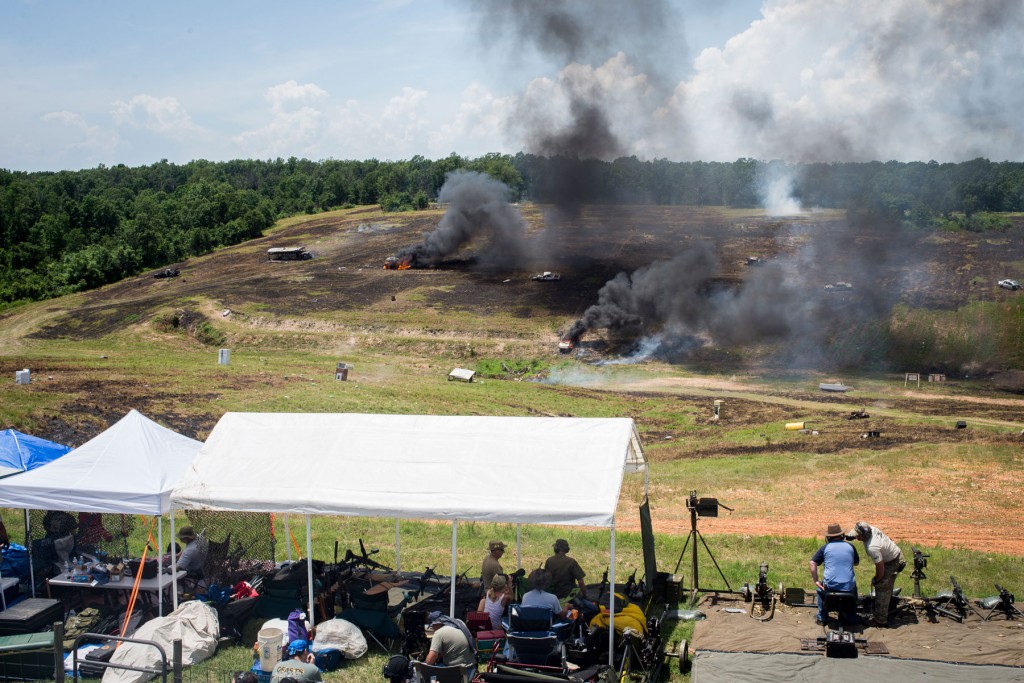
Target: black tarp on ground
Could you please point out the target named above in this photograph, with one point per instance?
(911, 635)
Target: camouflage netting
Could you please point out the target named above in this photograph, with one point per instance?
(94, 533)
(240, 544)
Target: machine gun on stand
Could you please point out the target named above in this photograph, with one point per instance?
(762, 596)
(701, 507)
(955, 599)
(1001, 603)
(920, 562)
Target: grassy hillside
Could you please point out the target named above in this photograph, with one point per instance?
(152, 345)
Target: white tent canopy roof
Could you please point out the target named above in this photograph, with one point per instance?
(509, 469)
(129, 468)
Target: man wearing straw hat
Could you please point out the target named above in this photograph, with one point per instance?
(839, 558)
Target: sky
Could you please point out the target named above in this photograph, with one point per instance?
(119, 82)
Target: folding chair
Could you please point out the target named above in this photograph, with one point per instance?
(530, 619)
(443, 674)
(539, 647)
(373, 613)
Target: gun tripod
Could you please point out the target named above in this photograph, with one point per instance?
(955, 600)
(707, 507)
(1004, 606)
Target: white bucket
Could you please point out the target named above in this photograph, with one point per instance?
(269, 641)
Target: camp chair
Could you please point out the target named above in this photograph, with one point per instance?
(534, 619)
(216, 556)
(442, 674)
(371, 612)
(529, 618)
(538, 647)
(277, 599)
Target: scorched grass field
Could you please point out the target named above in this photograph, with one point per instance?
(152, 345)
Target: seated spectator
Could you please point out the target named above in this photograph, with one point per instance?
(539, 597)
(299, 666)
(193, 555)
(496, 600)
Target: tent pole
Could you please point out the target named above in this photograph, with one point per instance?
(174, 566)
(612, 602)
(28, 546)
(287, 538)
(309, 573)
(519, 547)
(398, 548)
(159, 563)
(455, 571)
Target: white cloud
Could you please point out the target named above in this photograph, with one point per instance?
(476, 125)
(164, 115)
(283, 94)
(290, 132)
(75, 133)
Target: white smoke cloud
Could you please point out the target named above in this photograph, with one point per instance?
(817, 80)
(853, 80)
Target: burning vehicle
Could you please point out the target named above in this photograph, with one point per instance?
(1011, 285)
(566, 345)
(755, 261)
(546, 276)
(398, 262)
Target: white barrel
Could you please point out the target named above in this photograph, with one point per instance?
(269, 641)
(224, 358)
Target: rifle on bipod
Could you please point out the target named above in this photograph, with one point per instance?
(953, 599)
(1002, 603)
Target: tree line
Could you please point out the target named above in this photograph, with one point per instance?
(67, 231)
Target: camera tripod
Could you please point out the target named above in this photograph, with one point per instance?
(708, 507)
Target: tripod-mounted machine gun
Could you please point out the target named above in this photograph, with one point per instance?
(920, 562)
(954, 599)
(761, 597)
(701, 507)
(1002, 604)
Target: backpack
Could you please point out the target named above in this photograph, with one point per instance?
(297, 626)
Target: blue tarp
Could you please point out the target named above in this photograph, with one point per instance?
(22, 452)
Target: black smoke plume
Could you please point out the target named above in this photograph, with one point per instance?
(479, 212)
(680, 298)
(565, 32)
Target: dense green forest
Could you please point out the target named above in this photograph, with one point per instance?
(67, 231)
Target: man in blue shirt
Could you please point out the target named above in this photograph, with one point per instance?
(839, 558)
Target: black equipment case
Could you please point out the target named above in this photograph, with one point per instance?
(101, 654)
(30, 615)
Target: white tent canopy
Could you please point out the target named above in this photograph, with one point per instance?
(553, 470)
(130, 468)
